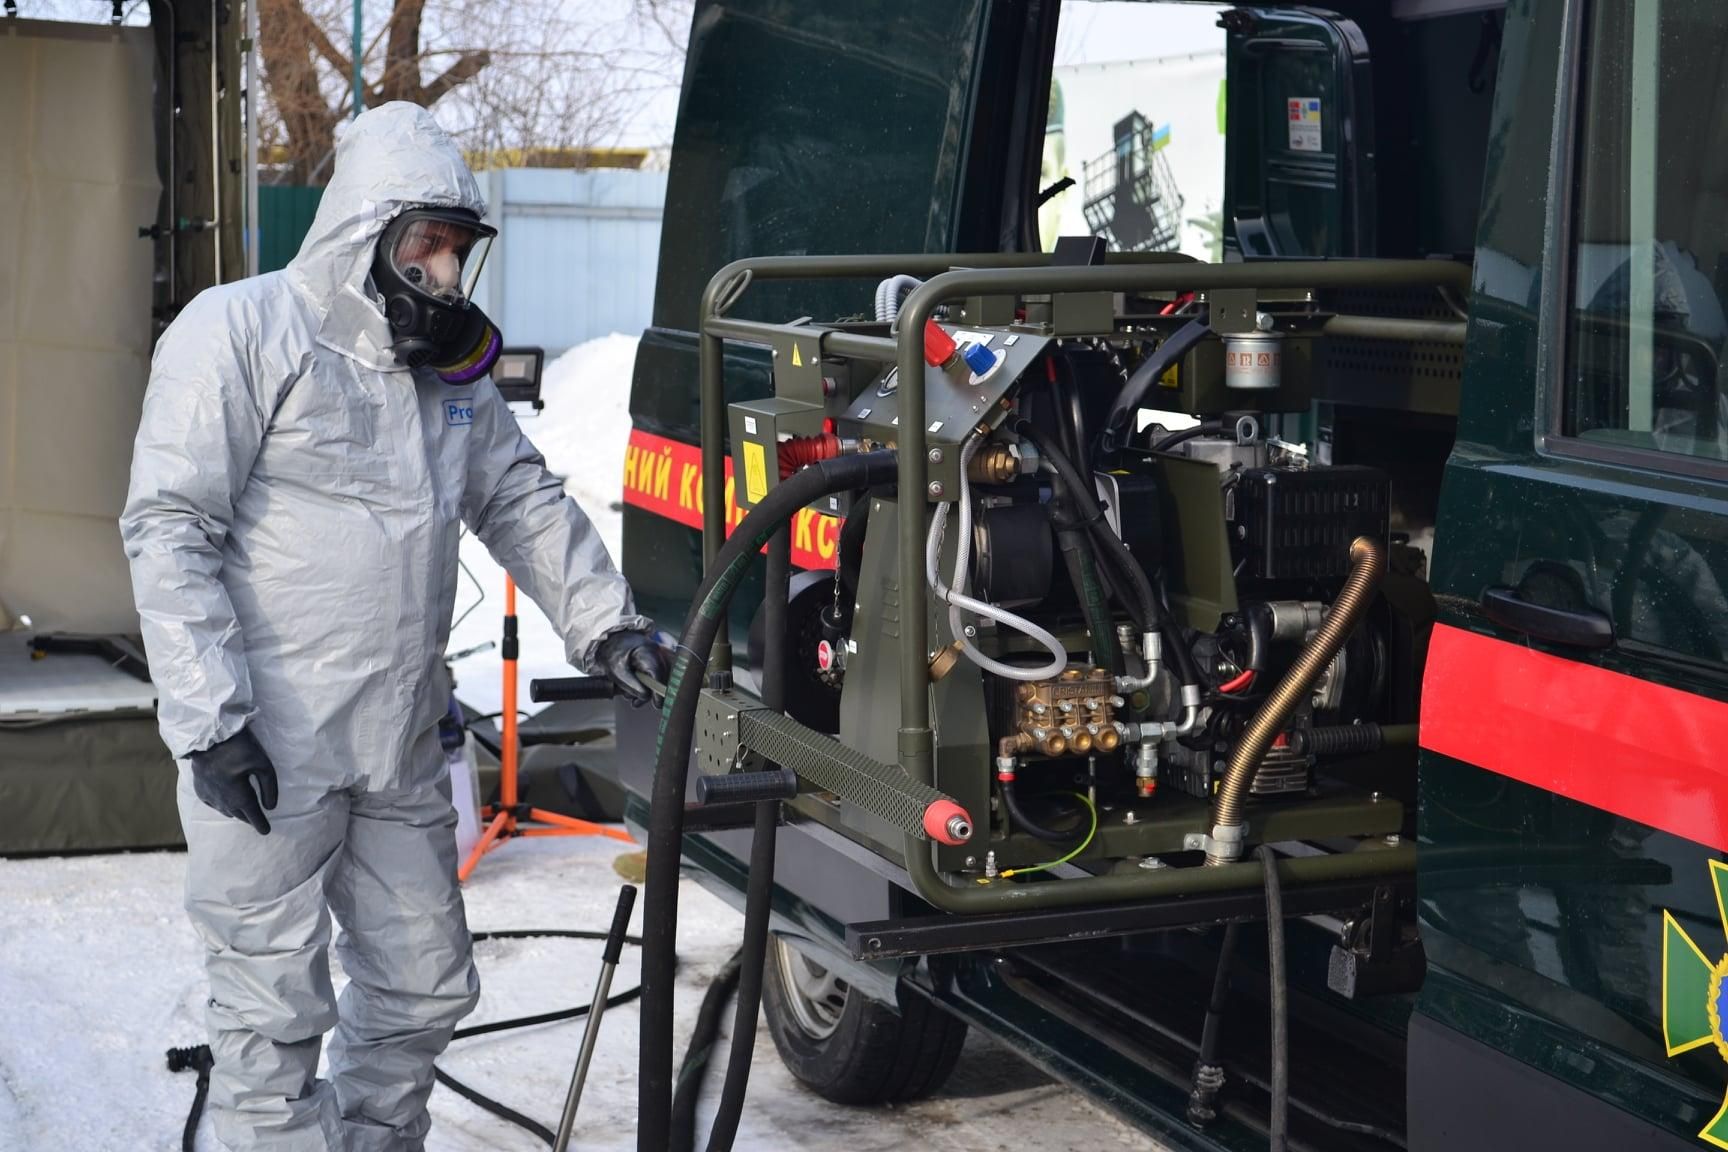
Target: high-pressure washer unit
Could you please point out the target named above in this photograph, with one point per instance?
(1072, 664)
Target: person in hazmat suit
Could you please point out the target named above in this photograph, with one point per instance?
(311, 443)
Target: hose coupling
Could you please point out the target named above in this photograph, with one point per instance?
(1151, 652)
(1146, 769)
(1224, 845)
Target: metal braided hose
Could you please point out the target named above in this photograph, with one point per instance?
(1367, 564)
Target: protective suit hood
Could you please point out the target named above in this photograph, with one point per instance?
(390, 158)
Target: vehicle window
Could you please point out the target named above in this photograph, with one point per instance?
(1136, 123)
(791, 112)
(1649, 244)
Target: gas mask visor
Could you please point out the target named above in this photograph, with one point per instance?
(438, 251)
(427, 265)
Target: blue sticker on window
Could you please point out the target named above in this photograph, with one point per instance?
(459, 412)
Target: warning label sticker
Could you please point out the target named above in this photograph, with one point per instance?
(1304, 123)
(755, 472)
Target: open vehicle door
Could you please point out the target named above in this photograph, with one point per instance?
(1299, 178)
(1575, 703)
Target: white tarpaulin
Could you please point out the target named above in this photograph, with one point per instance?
(77, 180)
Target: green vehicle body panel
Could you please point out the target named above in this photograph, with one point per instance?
(1560, 968)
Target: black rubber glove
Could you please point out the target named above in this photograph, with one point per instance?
(623, 654)
(237, 779)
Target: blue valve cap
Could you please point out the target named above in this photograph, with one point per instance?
(981, 360)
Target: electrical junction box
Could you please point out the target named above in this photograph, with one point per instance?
(757, 427)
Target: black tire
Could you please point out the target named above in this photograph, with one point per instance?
(850, 1049)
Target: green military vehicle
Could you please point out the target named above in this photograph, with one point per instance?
(1277, 695)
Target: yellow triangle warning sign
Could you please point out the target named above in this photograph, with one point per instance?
(797, 359)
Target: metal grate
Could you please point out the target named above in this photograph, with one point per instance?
(1353, 363)
(881, 789)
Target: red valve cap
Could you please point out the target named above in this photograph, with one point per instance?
(939, 347)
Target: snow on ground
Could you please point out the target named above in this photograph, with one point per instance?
(582, 432)
(100, 974)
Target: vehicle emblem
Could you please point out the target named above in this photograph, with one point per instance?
(1693, 996)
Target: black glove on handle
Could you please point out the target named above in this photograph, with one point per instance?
(623, 654)
(224, 777)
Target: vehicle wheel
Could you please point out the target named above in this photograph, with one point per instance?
(845, 1046)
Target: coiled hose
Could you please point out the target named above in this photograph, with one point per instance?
(672, 766)
(1017, 814)
(1367, 564)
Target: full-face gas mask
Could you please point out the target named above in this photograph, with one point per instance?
(427, 264)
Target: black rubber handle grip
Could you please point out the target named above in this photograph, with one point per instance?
(747, 787)
(570, 688)
(1581, 628)
(620, 924)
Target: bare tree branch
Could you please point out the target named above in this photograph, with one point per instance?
(551, 77)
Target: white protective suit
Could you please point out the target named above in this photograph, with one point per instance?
(292, 527)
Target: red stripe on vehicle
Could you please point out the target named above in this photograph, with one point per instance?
(1637, 749)
(664, 476)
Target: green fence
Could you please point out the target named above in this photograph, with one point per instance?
(285, 214)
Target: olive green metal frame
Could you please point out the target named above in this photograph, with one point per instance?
(1005, 274)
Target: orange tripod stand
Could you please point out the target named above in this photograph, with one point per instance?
(509, 816)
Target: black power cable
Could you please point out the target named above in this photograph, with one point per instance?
(696, 1059)
(700, 1052)
(672, 767)
(486, 1103)
(197, 1060)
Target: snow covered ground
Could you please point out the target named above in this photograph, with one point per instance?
(100, 974)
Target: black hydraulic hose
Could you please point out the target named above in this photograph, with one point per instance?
(700, 1052)
(1078, 489)
(1030, 826)
(759, 886)
(1078, 556)
(1183, 435)
(1145, 607)
(1114, 434)
(1071, 416)
(672, 764)
(1208, 1071)
(1280, 1118)
(1259, 636)
(758, 897)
